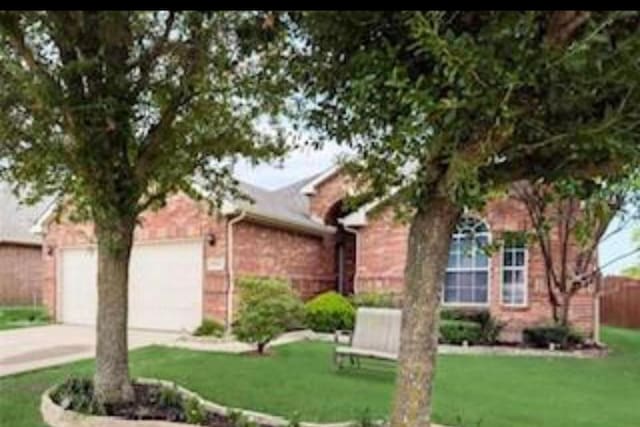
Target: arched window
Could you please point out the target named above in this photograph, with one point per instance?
(467, 280)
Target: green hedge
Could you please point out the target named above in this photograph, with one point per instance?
(457, 331)
(490, 328)
(328, 312)
(542, 336)
(209, 327)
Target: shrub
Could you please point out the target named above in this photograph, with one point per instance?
(466, 314)
(170, 397)
(209, 327)
(76, 394)
(194, 411)
(328, 312)
(457, 331)
(490, 327)
(542, 336)
(238, 419)
(267, 308)
(490, 330)
(24, 315)
(375, 299)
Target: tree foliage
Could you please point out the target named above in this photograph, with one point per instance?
(568, 221)
(444, 108)
(268, 307)
(118, 109)
(483, 98)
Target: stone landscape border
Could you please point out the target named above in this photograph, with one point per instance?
(56, 416)
(229, 345)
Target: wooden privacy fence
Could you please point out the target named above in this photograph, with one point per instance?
(620, 302)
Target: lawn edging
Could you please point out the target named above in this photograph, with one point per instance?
(56, 416)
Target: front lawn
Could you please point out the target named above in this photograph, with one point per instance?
(20, 317)
(478, 391)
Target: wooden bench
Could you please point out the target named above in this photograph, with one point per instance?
(376, 336)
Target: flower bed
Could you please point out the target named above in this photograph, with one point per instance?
(147, 411)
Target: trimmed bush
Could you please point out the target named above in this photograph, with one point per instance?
(466, 314)
(375, 299)
(328, 312)
(458, 331)
(267, 308)
(209, 327)
(489, 326)
(542, 336)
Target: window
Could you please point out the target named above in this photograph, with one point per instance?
(467, 280)
(514, 274)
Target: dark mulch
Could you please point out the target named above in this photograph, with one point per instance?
(153, 402)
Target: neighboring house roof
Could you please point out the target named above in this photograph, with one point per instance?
(17, 218)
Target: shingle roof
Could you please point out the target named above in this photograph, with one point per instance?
(16, 219)
(287, 204)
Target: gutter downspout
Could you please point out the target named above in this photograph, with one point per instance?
(230, 276)
(357, 255)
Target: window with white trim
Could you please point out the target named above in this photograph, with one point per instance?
(467, 279)
(514, 274)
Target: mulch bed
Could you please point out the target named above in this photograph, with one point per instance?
(151, 403)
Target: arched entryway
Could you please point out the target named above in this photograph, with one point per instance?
(344, 251)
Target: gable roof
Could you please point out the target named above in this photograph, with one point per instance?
(309, 188)
(286, 206)
(17, 218)
(358, 218)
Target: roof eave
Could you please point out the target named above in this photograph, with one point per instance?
(355, 219)
(19, 242)
(39, 226)
(320, 230)
(310, 188)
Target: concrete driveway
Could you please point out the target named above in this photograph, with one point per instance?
(43, 346)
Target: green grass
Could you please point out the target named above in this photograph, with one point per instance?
(484, 391)
(21, 317)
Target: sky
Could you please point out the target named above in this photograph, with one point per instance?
(302, 163)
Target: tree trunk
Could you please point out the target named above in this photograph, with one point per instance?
(553, 304)
(428, 251)
(563, 318)
(261, 347)
(112, 384)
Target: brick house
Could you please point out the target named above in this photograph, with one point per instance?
(20, 251)
(185, 260)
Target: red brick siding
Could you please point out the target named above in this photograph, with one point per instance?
(258, 250)
(382, 255)
(181, 219)
(382, 249)
(328, 192)
(306, 260)
(20, 274)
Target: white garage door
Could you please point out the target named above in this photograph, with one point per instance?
(165, 286)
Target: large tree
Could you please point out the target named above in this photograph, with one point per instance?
(441, 108)
(116, 110)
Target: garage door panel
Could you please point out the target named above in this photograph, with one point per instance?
(79, 292)
(165, 286)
